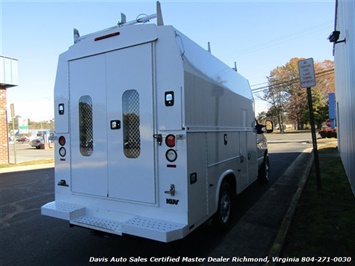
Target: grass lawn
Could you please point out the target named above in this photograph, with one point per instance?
(324, 222)
(28, 163)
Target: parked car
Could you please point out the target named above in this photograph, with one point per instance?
(37, 142)
(23, 139)
(51, 137)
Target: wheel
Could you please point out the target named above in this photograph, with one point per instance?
(223, 215)
(264, 170)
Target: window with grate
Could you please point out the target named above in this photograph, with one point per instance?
(85, 126)
(131, 123)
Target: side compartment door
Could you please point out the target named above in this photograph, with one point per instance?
(130, 116)
(243, 151)
(87, 125)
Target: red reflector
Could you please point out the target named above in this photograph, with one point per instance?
(61, 140)
(107, 36)
(170, 140)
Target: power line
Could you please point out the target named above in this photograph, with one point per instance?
(291, 81)
(278, 40)
(287, 81)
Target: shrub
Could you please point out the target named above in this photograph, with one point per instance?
(327, 132)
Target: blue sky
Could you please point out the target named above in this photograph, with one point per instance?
(257, 35)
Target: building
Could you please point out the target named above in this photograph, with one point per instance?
(8, 79)
(343, 38)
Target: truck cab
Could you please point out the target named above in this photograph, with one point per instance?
(263, 155)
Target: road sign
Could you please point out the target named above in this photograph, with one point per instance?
(306, 72)
(328, 122)
(22, 125)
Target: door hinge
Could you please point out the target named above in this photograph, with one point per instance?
(159, 138)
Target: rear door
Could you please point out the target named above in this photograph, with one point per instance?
(88, 126)
(130, 114)
(112, 124)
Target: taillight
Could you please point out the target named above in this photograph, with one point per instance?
(62, 150)
(171, 155)
(61, 140)
(170, 141)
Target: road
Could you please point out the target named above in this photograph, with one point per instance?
(27, 238)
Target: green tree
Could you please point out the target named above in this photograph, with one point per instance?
(262, 116)
(277, 94)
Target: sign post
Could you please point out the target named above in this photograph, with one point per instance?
(308, 80)
(12, 110)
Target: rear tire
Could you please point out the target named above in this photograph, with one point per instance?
(223, 216)
(264, 170)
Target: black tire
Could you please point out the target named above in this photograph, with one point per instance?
(222, 217)
(264, 171)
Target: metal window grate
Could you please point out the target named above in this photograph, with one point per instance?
(131, 124)
(85, 126)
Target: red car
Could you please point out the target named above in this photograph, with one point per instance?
(23, 139)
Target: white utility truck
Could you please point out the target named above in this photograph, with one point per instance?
(154, 134)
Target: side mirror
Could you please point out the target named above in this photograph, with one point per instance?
(269, 126)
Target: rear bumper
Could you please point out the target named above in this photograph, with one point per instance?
(154, 229)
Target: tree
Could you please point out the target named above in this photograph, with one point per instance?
(262, 116)
(277, 93)
(288, 99)
(297, 108)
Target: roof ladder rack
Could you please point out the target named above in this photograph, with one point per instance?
(139, 19)
(143, 18)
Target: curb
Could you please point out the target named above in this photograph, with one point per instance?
(279, 241)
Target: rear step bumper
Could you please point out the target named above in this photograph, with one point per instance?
(155, 229)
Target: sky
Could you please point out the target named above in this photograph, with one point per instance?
(256, 35)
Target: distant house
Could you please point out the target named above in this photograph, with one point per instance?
(343, 38)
